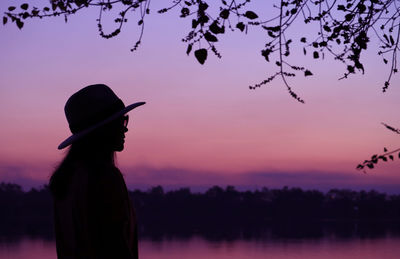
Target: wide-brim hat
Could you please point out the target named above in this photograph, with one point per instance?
(90, 108)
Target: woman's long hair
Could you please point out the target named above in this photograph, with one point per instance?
(88, 151)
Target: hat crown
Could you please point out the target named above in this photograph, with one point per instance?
(91, 105)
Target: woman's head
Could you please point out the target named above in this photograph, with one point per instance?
(95, 111)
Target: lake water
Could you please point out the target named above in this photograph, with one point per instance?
(198, 248)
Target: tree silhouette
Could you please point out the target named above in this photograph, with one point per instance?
(223, 213)
(344, 31)
(344, 28)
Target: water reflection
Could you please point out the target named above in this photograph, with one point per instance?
(241, 249)
(199, 248)
(337, 239)
(273, 230)
(24, 247)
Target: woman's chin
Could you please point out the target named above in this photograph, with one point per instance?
(119, 148)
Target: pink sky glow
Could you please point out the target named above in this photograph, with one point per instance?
(201, 125)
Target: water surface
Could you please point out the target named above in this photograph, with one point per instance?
(199, 248)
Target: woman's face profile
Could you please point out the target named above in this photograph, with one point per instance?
(114, 134)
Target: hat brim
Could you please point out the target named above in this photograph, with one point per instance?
(79, 135)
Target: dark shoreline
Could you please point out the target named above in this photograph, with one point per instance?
(224, 214)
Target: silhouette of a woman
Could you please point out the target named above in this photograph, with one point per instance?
(94, 218)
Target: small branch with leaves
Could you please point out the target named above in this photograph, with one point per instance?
(67, 8)
(385, 157)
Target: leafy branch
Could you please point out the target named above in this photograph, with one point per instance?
(345, 28)
(385, 157)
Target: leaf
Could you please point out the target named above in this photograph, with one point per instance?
(341, 8)
(387, 84)
(323, 44)
(307, 73)
(24, 6)
(273, 28)
(265, 53)
(203, 19)
(399, 154)
(11, 8)
(327, 28)
(79, 2)
(224, 14)
(271, 34)
(203, 6)
(5, 20)
(384, 149)
(362, 7)
(304, 51)
(316, 54)
(209, 37)
(391, 128)
(303, 39)
(251, 15)
(19, 24)
(386, 37)
(370, 166)
(359, 66)
(201, 55)
(46, 9)
(194, 23)
(184, 12)
(189, 49)
(140, 22)
(391, 40)
(350, 69)
(391, 157)
(62, 6)
(240, 26)
(214, 28)
(349, 17)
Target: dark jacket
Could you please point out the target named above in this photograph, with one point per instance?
(95, 220)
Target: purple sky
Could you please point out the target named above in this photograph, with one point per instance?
(201, 125)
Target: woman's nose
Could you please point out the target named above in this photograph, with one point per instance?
(125, 129)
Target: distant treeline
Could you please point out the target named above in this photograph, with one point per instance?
(224, 212)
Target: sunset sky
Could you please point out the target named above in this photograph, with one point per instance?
(201, 125)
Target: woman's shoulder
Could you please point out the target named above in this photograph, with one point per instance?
(97, 175)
